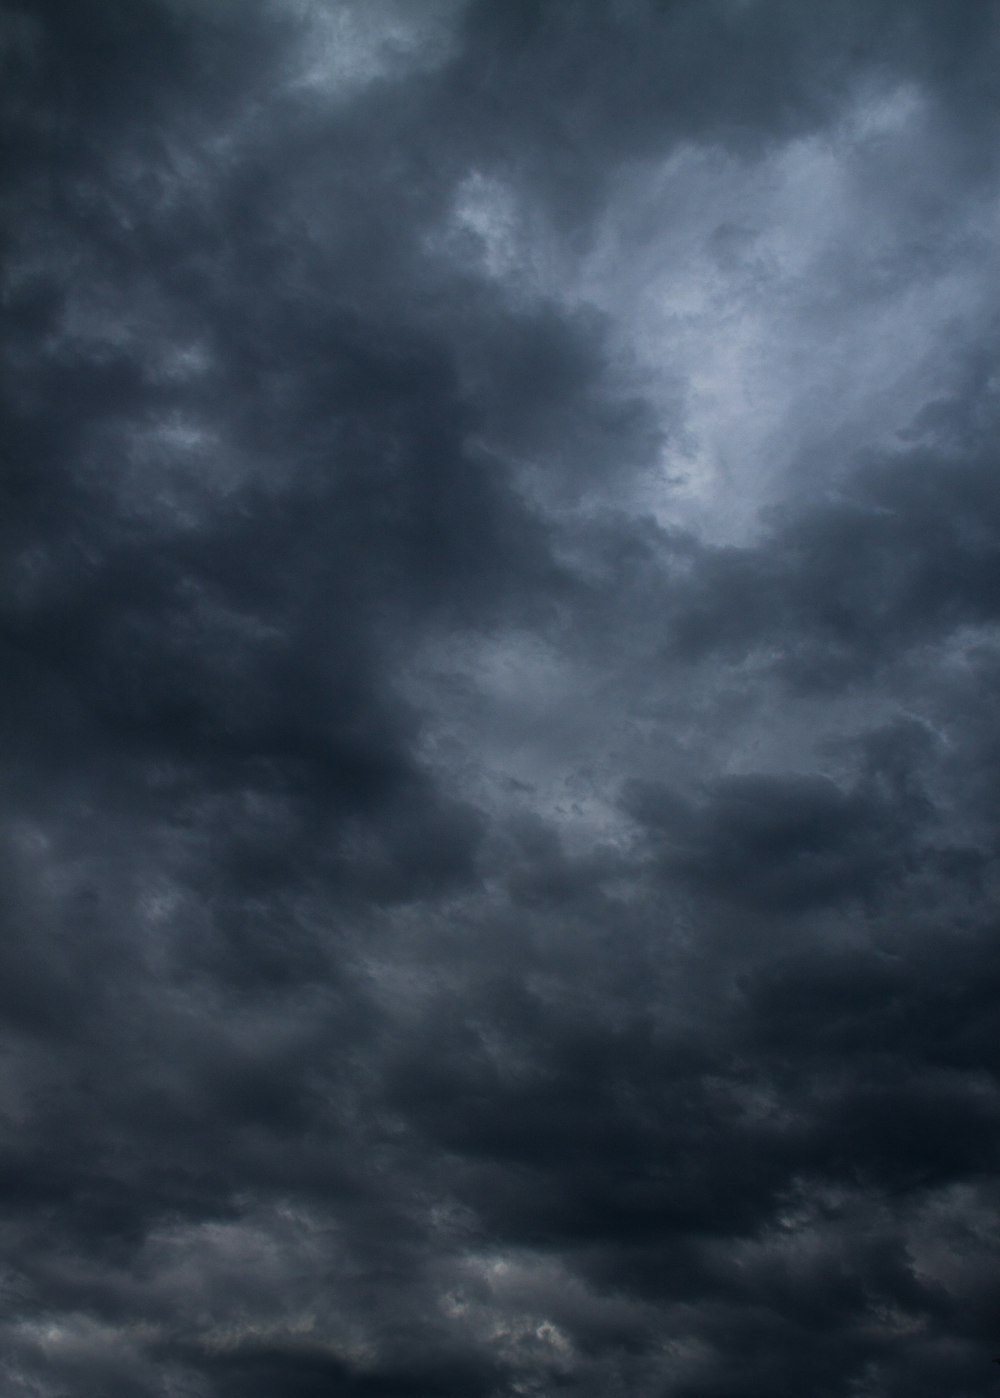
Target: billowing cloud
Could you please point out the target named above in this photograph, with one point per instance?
(500, 552)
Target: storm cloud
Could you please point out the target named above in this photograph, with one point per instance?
(499, 605)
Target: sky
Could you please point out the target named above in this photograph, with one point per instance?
(500, 634)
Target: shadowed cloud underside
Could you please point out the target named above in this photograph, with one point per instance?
(500, 624)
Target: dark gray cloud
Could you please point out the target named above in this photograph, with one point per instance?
(499, 555)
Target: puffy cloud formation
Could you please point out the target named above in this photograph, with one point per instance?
(500, 598)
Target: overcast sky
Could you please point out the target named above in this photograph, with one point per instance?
(500, 635)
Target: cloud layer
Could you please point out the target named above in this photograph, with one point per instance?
(500, 554)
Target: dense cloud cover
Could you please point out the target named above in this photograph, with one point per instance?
(500, 621)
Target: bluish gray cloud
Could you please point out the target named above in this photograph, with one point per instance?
(499, 555)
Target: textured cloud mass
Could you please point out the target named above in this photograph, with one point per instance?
(500, 621)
